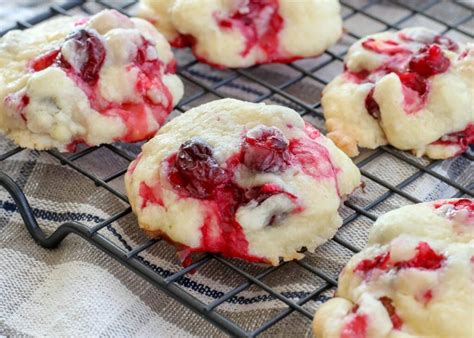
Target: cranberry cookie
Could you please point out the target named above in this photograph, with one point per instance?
(242, 33)
(245, 180)
(412, 89)
(85, 80)
(414, 279)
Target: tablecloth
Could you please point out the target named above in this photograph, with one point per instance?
(76, 290)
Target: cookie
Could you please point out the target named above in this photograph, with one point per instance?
(244, 180)
(412, 89)
(88, 80)
(414, 278)
(242, 33)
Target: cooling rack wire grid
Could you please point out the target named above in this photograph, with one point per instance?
(297, 85)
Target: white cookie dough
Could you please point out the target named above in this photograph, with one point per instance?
(85, 80)
(242, 33)
(241, 179)
(412, 89)
(414, 278)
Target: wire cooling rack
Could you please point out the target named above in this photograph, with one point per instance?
(208, 84)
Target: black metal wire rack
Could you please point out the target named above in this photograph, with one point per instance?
(170, 282)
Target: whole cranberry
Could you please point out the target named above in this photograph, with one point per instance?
(91, 51)
(196, 170)
(266, 149)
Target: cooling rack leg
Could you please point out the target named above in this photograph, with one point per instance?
(113, 251)
(30, 221)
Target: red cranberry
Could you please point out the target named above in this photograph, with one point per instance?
(25, 100)
(425, 258)
(380, 262)
(89, 48)
(183, 40)
(262, 193)
(458, 204)
(44, 61)
(396, 320)
(371, 105)
(429, 61)
(462, 138)
(196, 170)
(414, 82)
(467, 137)
(266, 149)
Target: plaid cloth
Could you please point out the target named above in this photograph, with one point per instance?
(76, 290)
